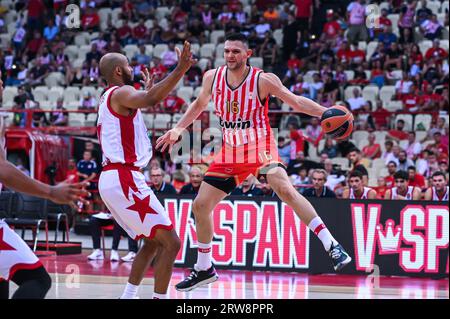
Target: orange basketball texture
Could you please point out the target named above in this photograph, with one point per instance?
(337, 122)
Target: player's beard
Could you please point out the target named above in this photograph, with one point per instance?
(127, 78)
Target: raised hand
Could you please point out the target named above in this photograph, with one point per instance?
(168, 139)
(147, 79)
(66, 193)
(185, 59)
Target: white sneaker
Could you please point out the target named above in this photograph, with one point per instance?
(97, 254)
(129, 257)
(114, 255)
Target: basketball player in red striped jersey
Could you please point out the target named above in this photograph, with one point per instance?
(126, 150)
(439, 191)
(240, 93)
(18, 263)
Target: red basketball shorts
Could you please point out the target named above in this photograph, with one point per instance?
(241, 161)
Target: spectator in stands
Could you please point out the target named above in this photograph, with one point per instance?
(90, 21)
(94, 54)
(398, 134)
(406, 21)
(413, 148)
(159, 186)
(196, 178)
(381, 116)
(173, 103)
(34, 46)
(124, 33)
(38, 119)
(439, 191)
(356, 17)
(357, 101)
(268, 50)
(87, 169)
(403, 161)
(300, 180)
(96, 222)
(88, 102)
(436, 53)
(330, 29)
(371, 150)
(36, 11)
(394, 56)
(431, 28)
(387, 36)
(247, 188)
(196, 32)
(72, 174)
(193, 77)
(357, 188)
(301, 161)
(284, 149)
(402, 190)
(142, 57)
(128, 10)
(381, 187)
(169, 58)
(388, 154)
(355, 158)
(438, 146)
(415, 179)
(51, 30)
(335, 176)
(319, 177)
(330, 148)
(423, 13)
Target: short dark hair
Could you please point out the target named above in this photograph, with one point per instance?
(354, 149)
(389, 142)
(412, 168)
(356, 174)
(438, 173)
(401, 175)
(412, 132)
(392, 162)
(401, 121)
(237, 37)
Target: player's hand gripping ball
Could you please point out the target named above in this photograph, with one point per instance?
(337, 122)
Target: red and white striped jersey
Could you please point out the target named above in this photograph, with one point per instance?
(364, 195)
(242, 115)
(123, 139)
(436, 196)
(409, 193)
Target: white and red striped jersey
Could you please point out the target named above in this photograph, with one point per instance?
(364, 195)
(409, 193)
(123, 139)
(242, 115)
(436, 197)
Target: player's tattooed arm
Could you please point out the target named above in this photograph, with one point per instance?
(270, 84)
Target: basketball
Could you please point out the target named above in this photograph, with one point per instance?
(337, 122)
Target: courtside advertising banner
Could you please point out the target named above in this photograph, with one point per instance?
(403, 238)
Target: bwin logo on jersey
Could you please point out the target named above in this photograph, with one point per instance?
(239, 124)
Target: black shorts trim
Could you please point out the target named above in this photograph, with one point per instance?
(225, 184)
(262, 172)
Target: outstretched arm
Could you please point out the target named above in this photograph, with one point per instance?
(128, 97)
(194, 110)
(270, 84)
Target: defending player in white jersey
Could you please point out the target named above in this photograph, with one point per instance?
(439, 191)
(17, 262)
(126, 150)
(240, 93)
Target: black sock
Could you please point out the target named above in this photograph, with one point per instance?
(4, 289)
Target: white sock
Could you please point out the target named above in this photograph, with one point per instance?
(130, 291)
(318, 227)
(203, 257)
(159, 296)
